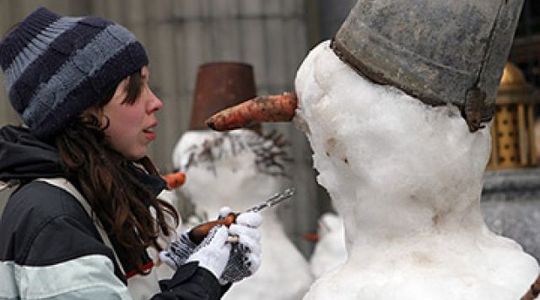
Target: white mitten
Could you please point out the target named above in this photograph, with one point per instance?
(245, 256)
(213, 252)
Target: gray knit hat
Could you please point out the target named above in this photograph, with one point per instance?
(56, 67)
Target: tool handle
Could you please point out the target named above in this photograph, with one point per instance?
(199, 232)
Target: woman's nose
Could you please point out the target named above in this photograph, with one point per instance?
(155, 103)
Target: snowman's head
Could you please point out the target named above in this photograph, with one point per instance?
(371, 140)
(234, 169)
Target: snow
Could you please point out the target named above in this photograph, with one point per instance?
(330, 252)
(406, 178)
(517, 219)
(511, 205)
(233, 169)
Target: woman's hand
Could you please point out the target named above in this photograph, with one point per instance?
(245, 258)
(243, 239)
(214, 251)
(178, 252)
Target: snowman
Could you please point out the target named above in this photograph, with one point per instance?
(240, 169)
(399, 127)
(406, 177)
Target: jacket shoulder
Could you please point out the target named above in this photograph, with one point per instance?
(39, 220)
(39, 200)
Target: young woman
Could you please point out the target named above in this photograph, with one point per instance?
(84, 209)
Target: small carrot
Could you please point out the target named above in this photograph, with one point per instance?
(311, 237)
(274, 108)
(174, 180)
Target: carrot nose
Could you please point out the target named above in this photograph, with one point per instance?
(272, 108)
(174, 180)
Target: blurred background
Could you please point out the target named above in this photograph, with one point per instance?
(274, 36)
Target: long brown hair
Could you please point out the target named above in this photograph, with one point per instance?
(107, 180)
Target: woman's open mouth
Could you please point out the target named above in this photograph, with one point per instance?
(150, 134)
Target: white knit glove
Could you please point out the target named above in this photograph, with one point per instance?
(213, 252)
(180, 250)
(243, 240)
(245, 258)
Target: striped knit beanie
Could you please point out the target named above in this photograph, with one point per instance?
(55, 67)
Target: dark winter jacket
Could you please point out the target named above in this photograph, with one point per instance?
(49, 246)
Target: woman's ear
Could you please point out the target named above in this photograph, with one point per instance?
(93, 115)
(93, 111)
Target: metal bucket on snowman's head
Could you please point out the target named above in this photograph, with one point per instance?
(440, 51)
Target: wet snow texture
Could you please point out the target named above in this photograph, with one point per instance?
(329, 252)
(406, 178)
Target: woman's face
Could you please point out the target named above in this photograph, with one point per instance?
(131, 126)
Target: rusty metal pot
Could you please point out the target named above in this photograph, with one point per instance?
(220, 85)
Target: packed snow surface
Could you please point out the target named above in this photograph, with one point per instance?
(330, 252)
(406, 178)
